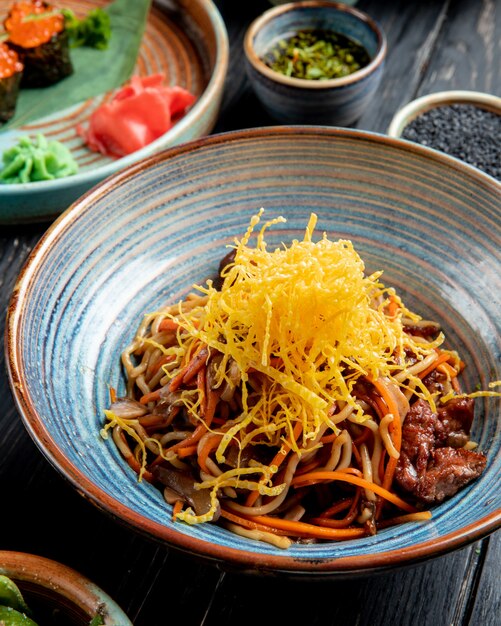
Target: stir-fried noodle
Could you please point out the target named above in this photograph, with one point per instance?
(298, 400)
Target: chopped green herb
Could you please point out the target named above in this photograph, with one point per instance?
(15, 612)
(317, 55)
(11, 596)
(93, 31)
(35, 17)
(13, 609)
(11, 617)
(97, 620)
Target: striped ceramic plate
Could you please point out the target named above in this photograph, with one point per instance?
(187, 41)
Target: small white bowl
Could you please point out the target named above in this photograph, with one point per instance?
(417, 107)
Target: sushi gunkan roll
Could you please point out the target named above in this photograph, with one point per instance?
(11, 70)
(37, 32)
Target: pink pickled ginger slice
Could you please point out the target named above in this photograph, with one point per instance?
(138, 113)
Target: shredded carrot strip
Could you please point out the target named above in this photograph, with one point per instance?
(350, 470)
(211, 443)
(441, 359)
(381, 465)
(191, 369)
(196, 364)
(395, 429)
(315, 477)
(392, 307)
(249, 523)
(277, 460)
(219, 421)
(178, 378)
(177, 508)
(329, 438)
(201, 386)
(363, 437)
(382, 407)
(420, 516)
(152, 396)
(357, 456)
(447, 369)
(293, 529)
(187, 451)
(168, 324)
(339, 523)
(156, 365)
(303, 529)
(308, 468)
(387, 481)
(201, 429)
(136, 466)
(336, 508)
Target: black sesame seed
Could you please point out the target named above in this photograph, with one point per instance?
(465, 131)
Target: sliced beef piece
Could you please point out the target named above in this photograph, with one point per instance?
(406, 474)
(454, 422)
(364, 391)
(450, 469)
(226, 260)
(433, 464)
(418, 435)
(434, 381)
(425, 329)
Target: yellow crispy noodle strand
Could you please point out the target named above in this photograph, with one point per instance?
(155, 344)
(308, 318)
(115, 420)
(231, 478)
(476, 394)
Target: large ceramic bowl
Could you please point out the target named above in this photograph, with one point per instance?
(145, 236)
(186, 40)
(57, 594)
(336, 101)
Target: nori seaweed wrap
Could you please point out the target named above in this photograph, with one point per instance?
(37, 32)
(11, 71)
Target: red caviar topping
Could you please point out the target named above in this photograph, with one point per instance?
(30, 33)
(9, 62)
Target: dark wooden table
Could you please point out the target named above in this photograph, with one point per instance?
(433, 45)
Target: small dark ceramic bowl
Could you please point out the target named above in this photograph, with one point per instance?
(57, 594)
(337, 101)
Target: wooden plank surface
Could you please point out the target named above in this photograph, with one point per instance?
(468, 52)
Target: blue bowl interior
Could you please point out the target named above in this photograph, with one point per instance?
(287, 24)
(129, 248)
